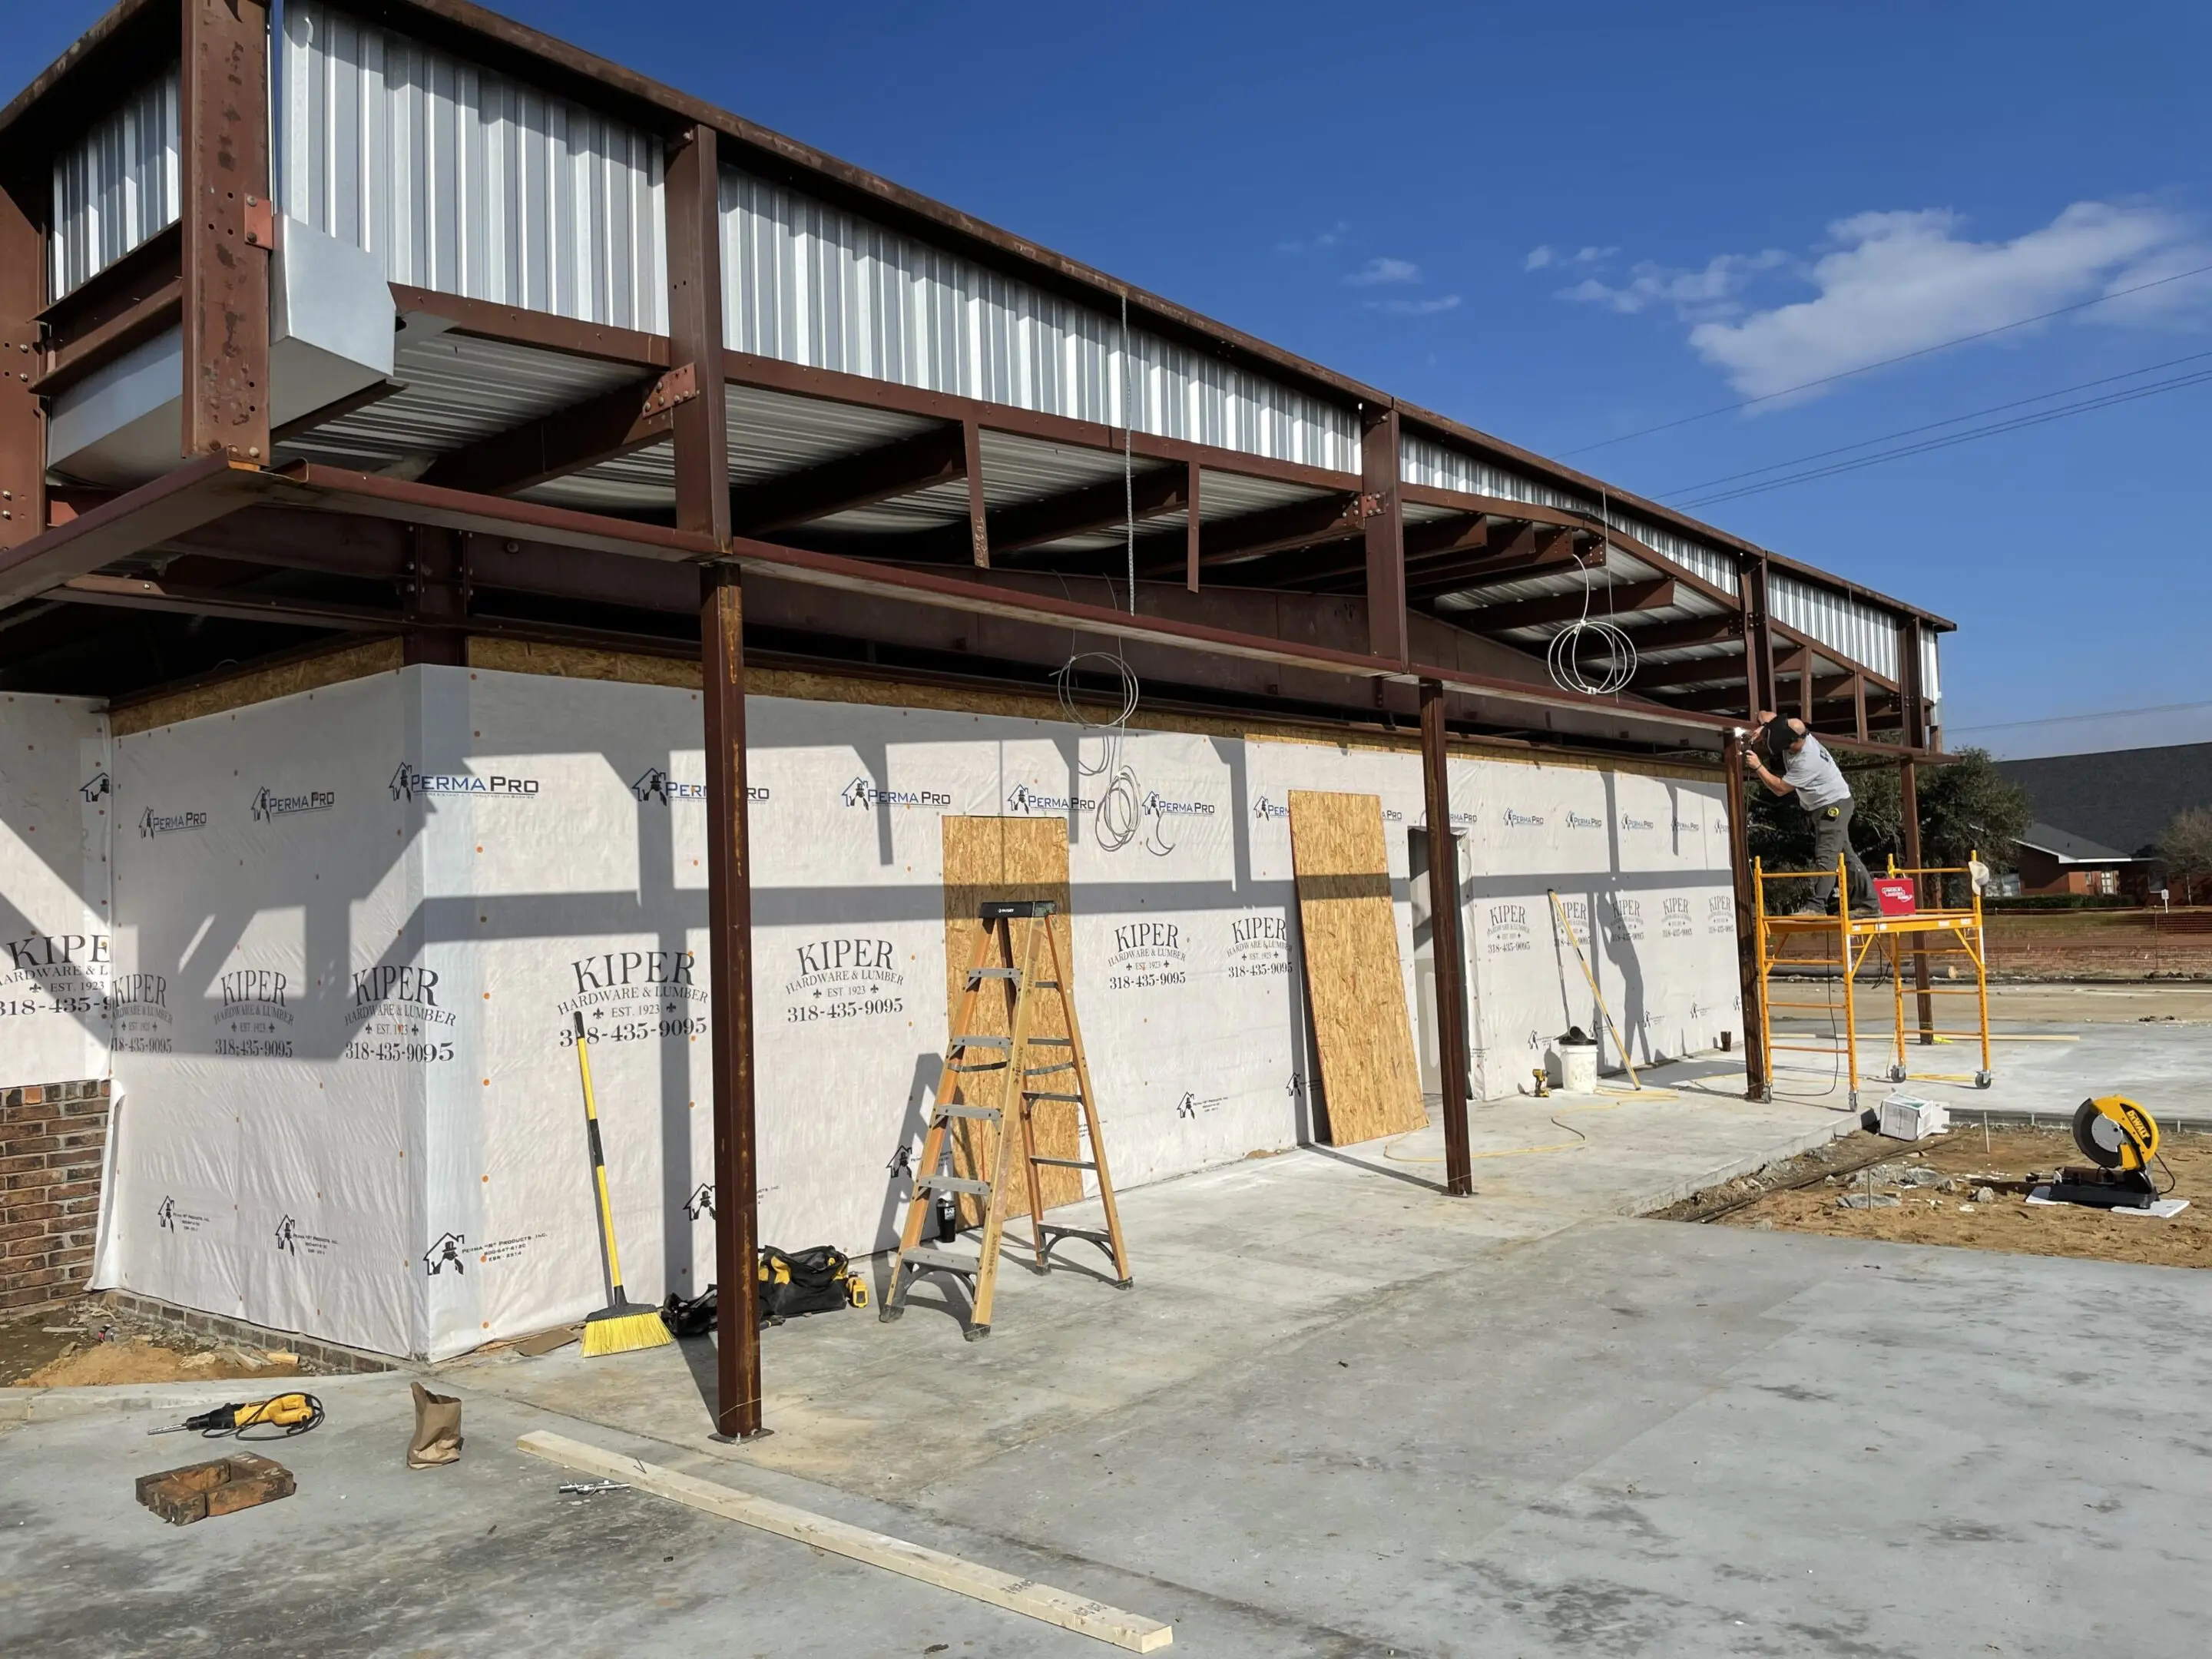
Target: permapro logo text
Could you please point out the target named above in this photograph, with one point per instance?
(863, 791)
(270, 805)
(155, 823)
(409, 781)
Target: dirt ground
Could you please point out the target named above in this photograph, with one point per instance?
(86, 1342)
(1941, 1208)
(2093, 945)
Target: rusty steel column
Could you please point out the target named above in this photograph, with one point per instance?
(1758, 638)
(1383, 525)
(1908, 791)
(437, 589)
(1446, 945)
(1757, 1084)
(228, 227)
(730, 999)
(22, 423)
(700, 422)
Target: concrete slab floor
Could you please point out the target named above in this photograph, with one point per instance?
(1339, 1415)
(1229, 1264)
(1623, 1438)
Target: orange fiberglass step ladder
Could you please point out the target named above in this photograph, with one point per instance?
(1002, 1067)
(1799, 948)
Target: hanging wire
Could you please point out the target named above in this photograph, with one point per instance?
(1614, 659)
(1120, 814)
(1128, 461)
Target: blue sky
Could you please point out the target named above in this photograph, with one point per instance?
(1563, 224)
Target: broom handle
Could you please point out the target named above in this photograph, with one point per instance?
(598, 1166)
(1634, 1082)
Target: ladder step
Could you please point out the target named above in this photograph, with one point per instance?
(1097, 1235)
(982, 1114)
(942, 1261)
(1064, 1163)
(945, 1183)
(1044, 1094)
(1057, 1066)
(987, 1066)
(984, 1043)
(1051, 1042)
(977, 975)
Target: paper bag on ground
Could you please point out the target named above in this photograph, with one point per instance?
(437, 1429)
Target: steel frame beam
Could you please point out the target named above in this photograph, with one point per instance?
(900, 467)
(228, 223)
(1446, 949)
(1757, 1084)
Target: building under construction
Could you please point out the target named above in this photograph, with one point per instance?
(487, 539)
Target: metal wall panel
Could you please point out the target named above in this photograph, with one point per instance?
(805, 282)
(1865, 633)
(117, 186)
(1424, 461)
(464, 180)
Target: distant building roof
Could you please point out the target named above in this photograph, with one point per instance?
(2068, 848)
(2124, 798)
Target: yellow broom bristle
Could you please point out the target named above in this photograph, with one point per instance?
(623, 1332)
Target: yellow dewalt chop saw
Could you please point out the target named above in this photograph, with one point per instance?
(2119, 1139)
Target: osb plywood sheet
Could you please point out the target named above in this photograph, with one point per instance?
(353, 662)
(1370, 1082)
(1018, 858)
(576, 663)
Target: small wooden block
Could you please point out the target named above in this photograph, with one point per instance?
(198, 1491)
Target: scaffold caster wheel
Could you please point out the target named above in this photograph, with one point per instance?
(1897, 1074)
(1983, 1079)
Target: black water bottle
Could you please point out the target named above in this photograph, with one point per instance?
(948, 1218)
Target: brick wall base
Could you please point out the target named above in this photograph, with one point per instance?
(220, 1327)
(54, 1138)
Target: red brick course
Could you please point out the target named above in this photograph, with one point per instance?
(54, 1138)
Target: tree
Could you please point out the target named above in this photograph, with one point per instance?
(1966, 807)
(2186, 848)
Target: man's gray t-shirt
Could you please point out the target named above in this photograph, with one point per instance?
(1814, 774)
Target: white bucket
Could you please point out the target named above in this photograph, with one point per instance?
(1579, 1067)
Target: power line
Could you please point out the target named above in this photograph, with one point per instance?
(2086, 406)
(1912, 431)
(2068, 719)
(1903, 356)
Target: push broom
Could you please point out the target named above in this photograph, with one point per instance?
(622, 1325)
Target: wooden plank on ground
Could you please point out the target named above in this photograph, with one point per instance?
(1009, 858)
(1001, 1590)
(1355, 985)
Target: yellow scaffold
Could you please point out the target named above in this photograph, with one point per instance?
(1799, 946)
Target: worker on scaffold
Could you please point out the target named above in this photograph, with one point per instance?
(1790, 760)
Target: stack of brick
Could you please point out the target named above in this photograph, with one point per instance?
(53, 1137)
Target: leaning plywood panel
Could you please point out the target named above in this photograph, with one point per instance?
(1370, 1082)
(1009, 858)
(56, 956)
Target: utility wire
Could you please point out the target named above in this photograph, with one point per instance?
(2063, 720)
(1932, 426)
(2086, 406)
(1901, 358)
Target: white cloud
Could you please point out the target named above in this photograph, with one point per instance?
(1898, 283)
(1416, 307)
(1539, 258)
(1588, 255)
(1379, 271)
(1327, 239)
(1706, 293)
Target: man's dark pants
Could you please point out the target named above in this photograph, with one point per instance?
(1831, 834)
